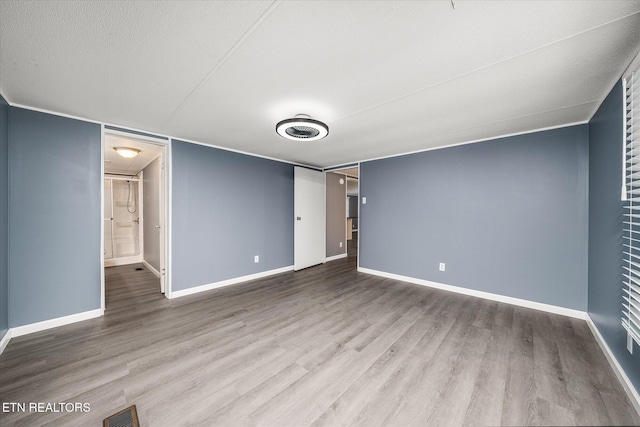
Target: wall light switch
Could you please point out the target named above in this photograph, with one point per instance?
(256, 258)
(364, 200)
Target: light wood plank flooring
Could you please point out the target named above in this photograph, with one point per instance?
(326, 346)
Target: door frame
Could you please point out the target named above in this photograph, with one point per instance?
(358, 178)
(165, 208)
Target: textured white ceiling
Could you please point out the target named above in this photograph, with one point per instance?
(388, 77)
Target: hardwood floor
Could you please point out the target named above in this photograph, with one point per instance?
(325, 346)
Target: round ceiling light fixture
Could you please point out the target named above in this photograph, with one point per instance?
(302, 128)
(127, 152)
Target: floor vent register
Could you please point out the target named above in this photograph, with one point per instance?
(126, 418)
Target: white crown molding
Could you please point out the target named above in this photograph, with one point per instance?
(169, 137)
(508, 135)
(328, 169)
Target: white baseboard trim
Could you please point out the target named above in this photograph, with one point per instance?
(54, 323)
(622, 376)
(5, 340)
(113, 262)
(335, 257)
(480, 294)
(228, 282)
(151, 268)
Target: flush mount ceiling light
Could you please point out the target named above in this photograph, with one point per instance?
(127, 152)
(302, 128)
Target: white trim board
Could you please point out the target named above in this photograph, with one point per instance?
(246, 153)
(102, 242)
(335, 257)
(151, 268)
(169, 137)
(114, 262)
(228, 282)
(54, 323)
(135, 134)
(168, 214)
(634, 397)
(457, 144)
(4, 342)
(481, 294)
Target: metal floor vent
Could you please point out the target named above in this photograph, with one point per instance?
(126, 418)
(139, 268)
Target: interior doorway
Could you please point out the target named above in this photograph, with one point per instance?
(352, 208)
(123, 236)
(353, 215)
(134, 204)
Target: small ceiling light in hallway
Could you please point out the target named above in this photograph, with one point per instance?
(127, 152)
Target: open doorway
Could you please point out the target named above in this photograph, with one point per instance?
(353, 210)
(353, 214)
(134, 205)
(344, 225)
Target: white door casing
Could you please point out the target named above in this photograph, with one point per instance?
(163, 223)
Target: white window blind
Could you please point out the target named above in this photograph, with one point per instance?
(631, 287)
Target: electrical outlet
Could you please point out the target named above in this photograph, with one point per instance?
(442, 266)
(364, 200)
(256, 259)
(340, 244)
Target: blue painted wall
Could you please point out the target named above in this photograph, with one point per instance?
(54, 216)
(4, 216)
(227, 208)
(507, 216)
(605, 230)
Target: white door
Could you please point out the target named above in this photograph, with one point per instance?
(309, 207)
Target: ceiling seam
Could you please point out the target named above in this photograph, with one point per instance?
(226, 56)
(484, 67)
